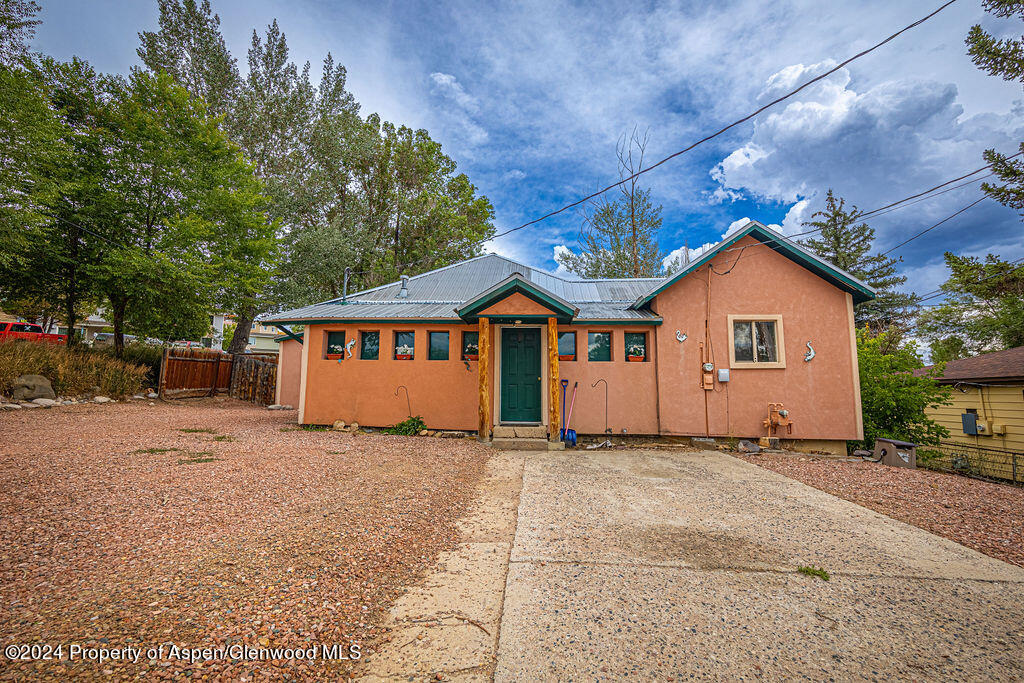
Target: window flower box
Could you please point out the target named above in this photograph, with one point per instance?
(567, 356)
(403, 356)
(635, 359)
(335, 356)
(471, 356)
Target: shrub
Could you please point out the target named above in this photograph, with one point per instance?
(71, 371)
(893, 398)
(140, 354)
(408, 427)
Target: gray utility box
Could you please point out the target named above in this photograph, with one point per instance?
(896, 453)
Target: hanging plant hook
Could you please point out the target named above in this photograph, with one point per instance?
(408, 404)
(607, 430)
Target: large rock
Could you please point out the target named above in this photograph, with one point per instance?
(29, 387)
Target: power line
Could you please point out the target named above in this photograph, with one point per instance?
(714, 135)
(933, 226)
(927, 296)
(879, 212)
(948, 182)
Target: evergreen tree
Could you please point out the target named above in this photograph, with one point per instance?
(847, 243)
(619, 235)
(983, 308)
(1003, 58)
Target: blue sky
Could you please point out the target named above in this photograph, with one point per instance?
(530, 97)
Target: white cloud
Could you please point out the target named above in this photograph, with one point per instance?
(513, 175)
(449, 86)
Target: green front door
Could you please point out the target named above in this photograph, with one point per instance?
(520, 375)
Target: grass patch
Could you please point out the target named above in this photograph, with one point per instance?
(197, 457)
(155, 451)
(307, 428)
(197, 430)
(224, 437)
(814, 571)
(72, 372)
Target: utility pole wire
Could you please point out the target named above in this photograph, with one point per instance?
(719, 132)
(732, 125)
(933, 226)
(948, 182)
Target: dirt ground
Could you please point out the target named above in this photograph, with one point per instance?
(981, 515)
(213, 523)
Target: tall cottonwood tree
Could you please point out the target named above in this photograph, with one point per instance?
(846, 241)
(348, 191)
(190, 220)
(619, 235)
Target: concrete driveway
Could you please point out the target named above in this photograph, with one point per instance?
(668, 565)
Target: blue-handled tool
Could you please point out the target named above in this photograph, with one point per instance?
(565, 387)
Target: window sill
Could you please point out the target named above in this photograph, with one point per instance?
(741, 365)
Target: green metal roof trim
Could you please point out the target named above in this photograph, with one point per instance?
(783, 245)
(516, 283)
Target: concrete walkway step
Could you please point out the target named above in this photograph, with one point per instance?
(520, 432)
(516, 444)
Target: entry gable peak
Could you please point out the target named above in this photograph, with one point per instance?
(513, 290)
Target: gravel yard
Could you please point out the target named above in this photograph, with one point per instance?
(209, 523)
(986, 517)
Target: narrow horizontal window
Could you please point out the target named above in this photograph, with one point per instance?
(599, 346)
(334, 344)
(437, 349)
(566, 346)
(405, 345)
(369, 347)
(635, 346)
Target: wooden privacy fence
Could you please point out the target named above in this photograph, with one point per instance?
(190, 373)
(254, 378)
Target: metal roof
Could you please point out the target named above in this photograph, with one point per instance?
(436, 294)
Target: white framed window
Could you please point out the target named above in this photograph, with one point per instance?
(756, 341)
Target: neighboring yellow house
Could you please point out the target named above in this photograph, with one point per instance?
(987, 406)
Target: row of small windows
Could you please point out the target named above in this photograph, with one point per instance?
(404, 347)
(599, 346)
(754, 341)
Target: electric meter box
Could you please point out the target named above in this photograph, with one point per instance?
(723, 374)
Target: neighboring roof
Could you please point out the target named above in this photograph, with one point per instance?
(784, 246)
(435, 295)
(998, 366)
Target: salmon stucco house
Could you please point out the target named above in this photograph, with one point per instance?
(754, 338)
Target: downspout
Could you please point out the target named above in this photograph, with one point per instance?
(657, 382)
(705, 354)
(344, 287)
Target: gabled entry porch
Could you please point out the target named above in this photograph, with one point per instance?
(518, 333)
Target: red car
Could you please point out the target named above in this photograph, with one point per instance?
(29, 332)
